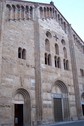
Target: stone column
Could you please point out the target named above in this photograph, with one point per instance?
(74, 72)
(37, 68)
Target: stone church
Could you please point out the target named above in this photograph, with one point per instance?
(41, 65)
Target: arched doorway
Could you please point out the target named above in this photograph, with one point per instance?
(82, 102)
(60, 101)
(22, 108)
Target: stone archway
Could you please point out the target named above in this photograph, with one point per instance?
(60, 101)
(22, 108)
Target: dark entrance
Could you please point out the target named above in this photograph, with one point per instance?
(18, 115)
(58, 109)
(83, 109)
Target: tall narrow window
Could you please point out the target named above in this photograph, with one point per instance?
(56, 49)
(55, 14)
(82, 72)
(59, 18)
(55, 59)
(65, 27)
(27, 12)
(48, 13)
(23, 54)
(67, 65)
(18, 12)
(58, 62)
(64, 62)
(47, 45)
(41, 12)
(46, 58)
(22, 12)
(8, 11)
(13, 12)
(31, 12)
(49, 59)
(19, 52)
(65, 52)
(44, 12)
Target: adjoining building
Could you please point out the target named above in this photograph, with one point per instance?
(41, 65)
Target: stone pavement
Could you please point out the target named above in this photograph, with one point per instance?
(72, 123)
(69, 123)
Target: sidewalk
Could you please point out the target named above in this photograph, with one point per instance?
(67, 123)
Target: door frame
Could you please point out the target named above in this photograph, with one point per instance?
(60, 97)
(22, 113)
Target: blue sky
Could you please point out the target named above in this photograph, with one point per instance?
(73, 11)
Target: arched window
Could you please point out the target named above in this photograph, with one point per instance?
(55, 14)
(59, 18)
(55, 59)
(46, 58)
(23, 54)
(47, 45)
(22, 12)
(8, 11)
(49, 59)
(67, 65)
(48, 13)
(61, 21)
(65, 52)
(18, 12)
(56, 49)
(13, 12)
(31, 12)
(64, 62)
(58, 62)
(27, 12)
(41, 12)
(65, 27)
(19, 52)
(44, 12)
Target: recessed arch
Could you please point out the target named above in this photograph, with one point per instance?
(25, 106)
(62, 86)
(60, 101)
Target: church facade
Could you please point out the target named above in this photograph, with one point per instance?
(41, 65)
